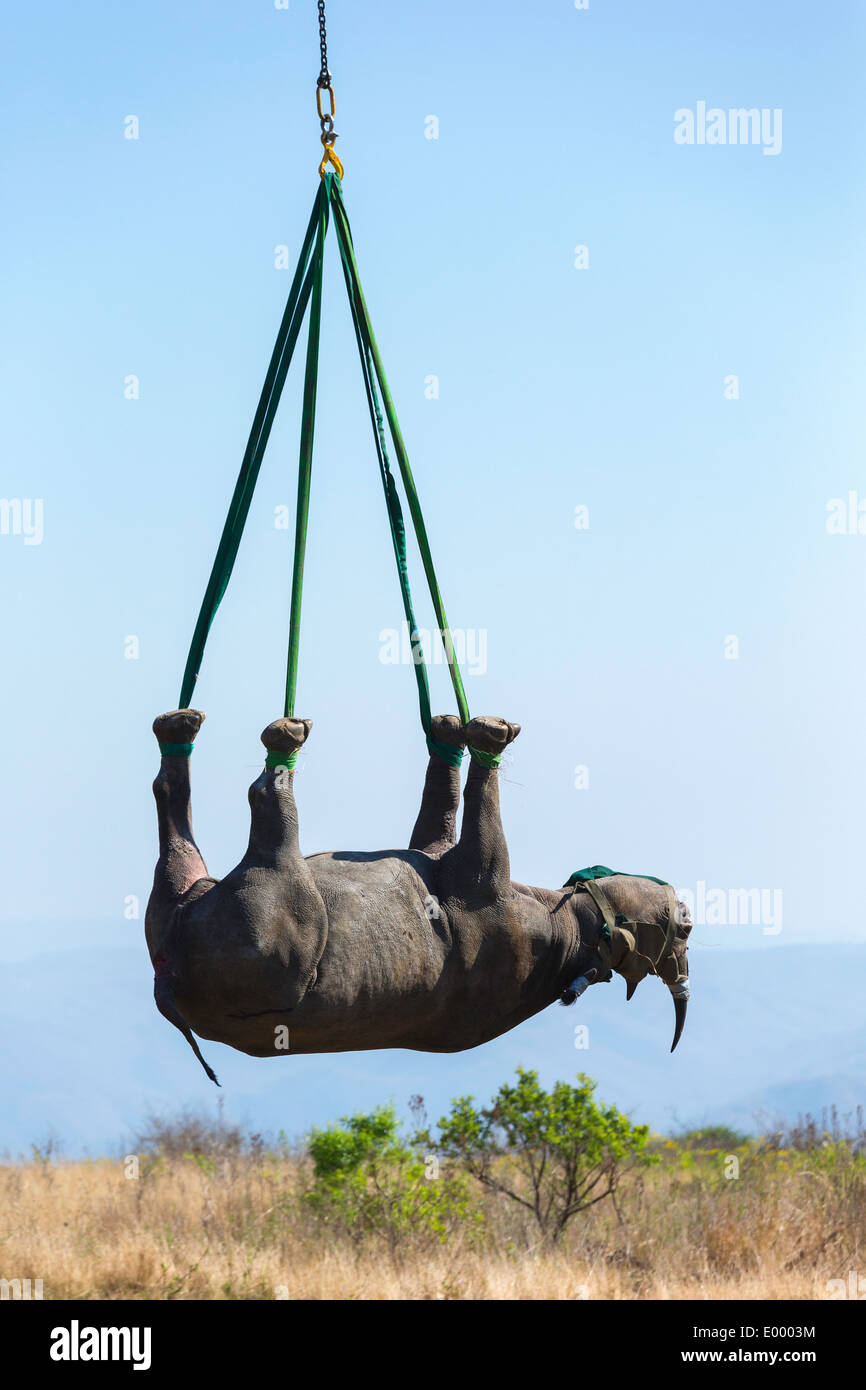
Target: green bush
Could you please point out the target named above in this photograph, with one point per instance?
(370, 1182)
(555, 1153)
(713, 1137)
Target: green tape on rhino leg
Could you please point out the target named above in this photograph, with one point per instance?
(274, 760)
(488, 760)
(446, 751)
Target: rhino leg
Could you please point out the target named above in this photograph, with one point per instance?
(436, 827)
(180, 864)
(291, 919)
(478, 867)
(274, 839)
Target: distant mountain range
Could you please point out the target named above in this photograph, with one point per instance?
(770, 1034)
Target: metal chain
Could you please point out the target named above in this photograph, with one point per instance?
(326, 117)
(324, 75)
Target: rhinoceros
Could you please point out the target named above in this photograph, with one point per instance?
(432, 948)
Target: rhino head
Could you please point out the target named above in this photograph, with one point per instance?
(634, 953)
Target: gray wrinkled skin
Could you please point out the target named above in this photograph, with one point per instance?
(431, 947)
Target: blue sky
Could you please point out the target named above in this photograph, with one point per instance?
(558, 387)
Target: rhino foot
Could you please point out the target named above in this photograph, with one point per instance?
(178, 726)
(446, 728)
(286, 735)
(490, 734)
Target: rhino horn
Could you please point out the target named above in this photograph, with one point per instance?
(681, 1003)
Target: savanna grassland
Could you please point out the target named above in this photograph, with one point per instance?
(204, 1211)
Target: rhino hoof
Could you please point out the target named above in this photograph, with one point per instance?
(490, 734)
(446, 728)
(178, 726)
(286, 735)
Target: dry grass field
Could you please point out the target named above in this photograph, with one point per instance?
(227, 1219)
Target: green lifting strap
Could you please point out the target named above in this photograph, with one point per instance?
(307, 289)
(305, 460)
(371, 369)
(239, 507)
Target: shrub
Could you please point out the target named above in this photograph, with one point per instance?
(192, 1132)
(713, 1137)
(555, 1153)
(371, 1182)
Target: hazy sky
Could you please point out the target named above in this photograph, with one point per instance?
(736, 765)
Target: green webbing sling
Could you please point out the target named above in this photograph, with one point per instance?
(242, 496)
(307, 288)
(305, 459)
(371, 369)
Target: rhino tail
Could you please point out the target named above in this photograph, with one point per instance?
(163, 994)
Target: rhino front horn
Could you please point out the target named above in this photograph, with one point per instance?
(681, 1003)
(630, 987)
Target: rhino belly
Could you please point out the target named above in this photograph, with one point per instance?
(388, 945)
